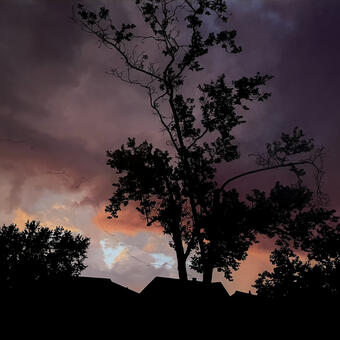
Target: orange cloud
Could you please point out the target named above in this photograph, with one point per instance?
(21, 217)
(256, 262)
(151, 247)
(129, 222)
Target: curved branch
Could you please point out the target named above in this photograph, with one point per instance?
(291, 164)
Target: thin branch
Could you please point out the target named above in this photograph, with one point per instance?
(198, 138)
(146, 37)
(110, 42)
(291, 164)
(190, 5)
(166, 127)
(128, 62)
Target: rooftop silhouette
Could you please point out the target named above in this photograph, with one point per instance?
(170, 288)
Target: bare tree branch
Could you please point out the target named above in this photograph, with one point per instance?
(265, 169)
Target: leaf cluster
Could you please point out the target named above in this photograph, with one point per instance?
(227, 235)
(289, 213)
(316, 232)
(147, 177)
(282, 151)
(317, 277)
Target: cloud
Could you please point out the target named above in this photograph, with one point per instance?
(59, 110)
(129, 222)
(257, 261)
(153, 244)
(130, 267)
(21, 217)
(111, 254)
(161, 260)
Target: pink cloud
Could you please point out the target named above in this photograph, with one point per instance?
(129, 222)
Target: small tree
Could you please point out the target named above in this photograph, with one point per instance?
(177, 188)
(38, 253)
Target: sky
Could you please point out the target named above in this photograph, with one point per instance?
(60, 111)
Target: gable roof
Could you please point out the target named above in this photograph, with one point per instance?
(240, 300)
(169, 288)
(243, 295)
(82, 287)
(100, 286)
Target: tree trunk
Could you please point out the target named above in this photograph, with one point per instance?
(181, 267)
(207, 274)
(181, 258)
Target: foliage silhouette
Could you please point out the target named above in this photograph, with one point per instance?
(316, 278)
(177, 188)
(38, 253)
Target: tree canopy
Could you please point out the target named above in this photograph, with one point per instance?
(315, 276)
(177, 187)
(39, 253)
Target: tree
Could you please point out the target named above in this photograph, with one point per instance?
(316, 277)
(39, 253)
(177, 188)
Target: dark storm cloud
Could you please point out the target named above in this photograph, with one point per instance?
(60, 111)
(27, 153)
(298, 43)
(38, 47)
(307, 69)
(308, 81)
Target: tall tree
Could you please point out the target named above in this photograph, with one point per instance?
(178, 188)
(39, 253)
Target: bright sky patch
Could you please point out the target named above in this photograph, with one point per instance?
(162, 260)
(110, 254)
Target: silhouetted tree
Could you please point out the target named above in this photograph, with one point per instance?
(317, 234)
(39, 253)
(177, 188)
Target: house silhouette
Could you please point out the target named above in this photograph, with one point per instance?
(168, 303)
(243, 296)
(73, 295)
(101, 299)
(165, 289)
(95, 287)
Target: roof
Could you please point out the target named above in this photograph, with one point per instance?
(169, 288)
(79, 288)
(96, 285)
(240, 299)
(240, 294)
